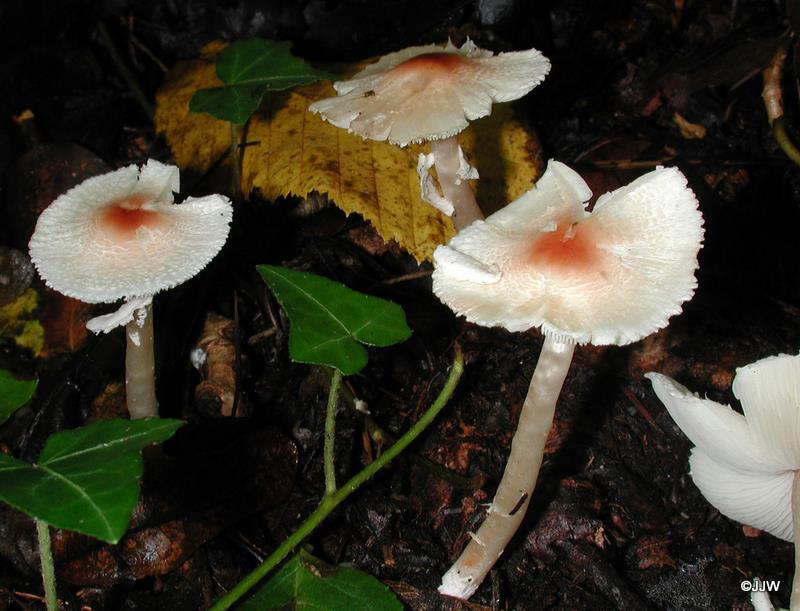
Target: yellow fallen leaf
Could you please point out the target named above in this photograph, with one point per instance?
(16, 322)
(31, 336)
(291, 151)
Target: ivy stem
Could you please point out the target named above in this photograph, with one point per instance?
(48, 569)
(330, 433)
(330, 502)
(236, 174)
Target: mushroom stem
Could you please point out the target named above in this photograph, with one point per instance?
(514, 492)
(140, 382)
(794, 602)
(455, 188)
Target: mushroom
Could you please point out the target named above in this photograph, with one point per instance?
(430, 93)
(747, 465)
(119, 236)
(609, 277)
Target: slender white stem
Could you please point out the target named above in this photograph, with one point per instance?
(794, 602)
(140, 381)
(759, 597)
(455, 189)
(515, 489)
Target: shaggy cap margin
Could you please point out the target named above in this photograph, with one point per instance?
(611, 276)
(120, 235)
(430, 92)
(744, 464)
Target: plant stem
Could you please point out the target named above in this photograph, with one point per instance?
(124, 72)
(330, 433)
(519, 478)
(140, 369)
(48, 568)
(330, 502)
(794, 602)
(772, 94)
(455, 189)
(236, 175)
(784, 141)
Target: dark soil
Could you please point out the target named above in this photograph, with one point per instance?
(616, 521)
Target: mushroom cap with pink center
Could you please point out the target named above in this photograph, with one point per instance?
(744, 464)
(430, 92)
(120, 235)
(611, 276)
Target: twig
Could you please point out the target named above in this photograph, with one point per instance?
(142, 47)
(642, 409)
(423, 273)
(330, 502)
(773, 101)
(381, 437)
(236, 175)
(124, 72)
(237, 347)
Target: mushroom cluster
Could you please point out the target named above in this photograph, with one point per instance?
(611, 276)
(430, 94)
(120, 236)
(747, 465)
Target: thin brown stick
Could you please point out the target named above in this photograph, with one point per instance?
(642, 409)
(423, 273)
(124, 71)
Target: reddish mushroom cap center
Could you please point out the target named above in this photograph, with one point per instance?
(124, 217)
(430, 63)
(571, 247)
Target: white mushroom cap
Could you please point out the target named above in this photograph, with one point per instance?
(744, 464)
(430, 92)
(609, 277)
(120, 235)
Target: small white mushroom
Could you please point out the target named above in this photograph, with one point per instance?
(120, 236)
(609, 277)
(431, 93)
(747, 466)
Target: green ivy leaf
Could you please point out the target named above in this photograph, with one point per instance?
(232, 103)
(329, 321)
(306, 583)
(14, 394)
(249, 68)
(86, 479)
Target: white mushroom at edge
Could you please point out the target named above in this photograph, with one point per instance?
(431, 93)
(609, 277)
(120, 236)
(747, 466)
